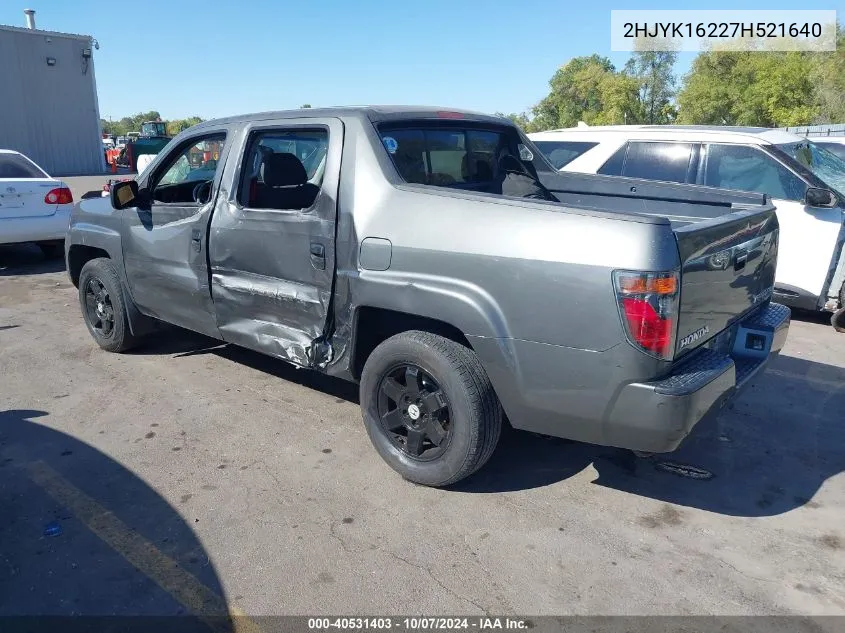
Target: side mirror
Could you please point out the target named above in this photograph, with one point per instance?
(820, 198)
(124, 194)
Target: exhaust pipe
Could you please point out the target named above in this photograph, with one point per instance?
(30, 18)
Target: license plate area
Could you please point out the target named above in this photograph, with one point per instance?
(723, 342)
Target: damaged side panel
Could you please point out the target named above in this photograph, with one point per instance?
(272, 270)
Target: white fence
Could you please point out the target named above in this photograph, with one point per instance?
(829, 129)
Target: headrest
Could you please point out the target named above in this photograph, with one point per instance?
(282, 170)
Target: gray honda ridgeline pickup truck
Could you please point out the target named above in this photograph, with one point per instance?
(436, 258)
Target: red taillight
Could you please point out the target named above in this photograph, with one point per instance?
(649, 305)
(650, 331)
(446, 114)
(60, 195)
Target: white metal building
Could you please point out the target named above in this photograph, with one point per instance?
(48, 99)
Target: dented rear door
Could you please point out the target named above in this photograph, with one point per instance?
(272, 269)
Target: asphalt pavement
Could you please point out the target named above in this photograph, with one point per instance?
(193, 477)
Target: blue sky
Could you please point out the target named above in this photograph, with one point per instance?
(213, 58)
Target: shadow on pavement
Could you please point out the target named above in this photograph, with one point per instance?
(27, 259)
(822, 318)
(81, 535)
(769, 453)
(182, 343)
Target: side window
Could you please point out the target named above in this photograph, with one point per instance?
(668, 162)
(613, 165)
(749, 169)
(186, 168)
(561, 153)
(444, 157)
(283, 168)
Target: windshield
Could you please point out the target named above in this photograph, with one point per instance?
(823, 164)
(154, 128)
(834, 148)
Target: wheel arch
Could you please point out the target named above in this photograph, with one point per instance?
(93, 242)
(375, 324)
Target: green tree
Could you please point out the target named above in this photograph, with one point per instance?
(175, 126)
(522, 120)
(655, 72)
(767, 88)
(305, 105)
(588, 89)
(828, 78)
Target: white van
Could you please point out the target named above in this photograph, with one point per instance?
(804, 181)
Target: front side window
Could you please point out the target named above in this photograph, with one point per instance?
(189, 166)
(284, 168)
(444, 157)
(561, 153)
(747, 168)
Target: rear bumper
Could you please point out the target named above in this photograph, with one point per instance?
(599, 397)
(36, 229)
(657, 416)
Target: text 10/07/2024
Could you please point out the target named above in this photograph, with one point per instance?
(418, 623)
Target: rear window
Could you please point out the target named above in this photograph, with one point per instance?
(561, 153)
(17, 166)
(443, 157)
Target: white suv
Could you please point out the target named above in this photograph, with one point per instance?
(803, 180)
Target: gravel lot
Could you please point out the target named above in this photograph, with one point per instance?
(191, 476)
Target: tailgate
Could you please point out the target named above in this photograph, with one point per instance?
(727, 269)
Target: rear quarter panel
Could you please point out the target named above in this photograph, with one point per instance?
(529, 284)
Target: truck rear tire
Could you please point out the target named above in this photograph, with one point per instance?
(103, 309)
(429, 408)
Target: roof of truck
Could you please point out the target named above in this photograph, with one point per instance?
(371, 112)
(692, 133)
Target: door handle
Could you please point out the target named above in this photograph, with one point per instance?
(741, 258)
(196, 239)
(318, 256)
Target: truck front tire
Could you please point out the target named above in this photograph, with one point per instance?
(103, 309)
(429, 408)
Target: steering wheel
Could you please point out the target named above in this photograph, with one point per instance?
(198, 194)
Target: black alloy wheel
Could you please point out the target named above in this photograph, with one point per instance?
(99, 308)
(414, 412)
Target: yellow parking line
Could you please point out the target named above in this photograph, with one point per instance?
(183, 586)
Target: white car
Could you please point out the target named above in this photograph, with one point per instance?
(33, 206)
(806, 184)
